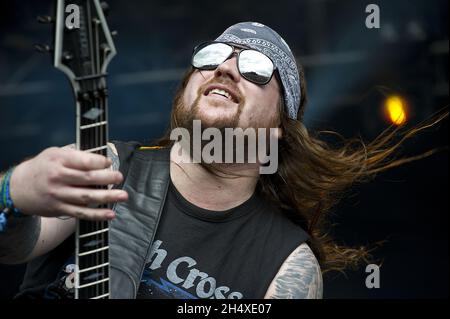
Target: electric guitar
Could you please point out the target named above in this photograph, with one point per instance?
(83, 49)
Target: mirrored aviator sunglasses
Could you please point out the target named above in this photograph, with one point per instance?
(252, 65)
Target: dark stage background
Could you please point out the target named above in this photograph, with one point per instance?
(350, 70)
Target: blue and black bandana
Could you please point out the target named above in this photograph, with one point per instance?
(260, 37)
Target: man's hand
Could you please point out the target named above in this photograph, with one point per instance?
(57, 182)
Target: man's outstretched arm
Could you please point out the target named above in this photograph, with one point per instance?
(298, 278)
(39, 232)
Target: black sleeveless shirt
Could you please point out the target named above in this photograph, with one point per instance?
(233, 254)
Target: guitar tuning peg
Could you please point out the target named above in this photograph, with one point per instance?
(105, 7)
(96, 94)
(85, 96)
(45, 19)
(105, 48)
(104, 92)
(43, 48)
(67, 56)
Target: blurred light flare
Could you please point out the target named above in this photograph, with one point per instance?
(395, 108)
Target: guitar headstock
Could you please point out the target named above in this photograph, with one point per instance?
(83, 49)
(83, 44)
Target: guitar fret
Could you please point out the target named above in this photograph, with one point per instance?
(93, 251)
(83, 127)
(92, 268)
(94, 233)
(100, 297)
(92, 283)
(91, 76)
(95, 149)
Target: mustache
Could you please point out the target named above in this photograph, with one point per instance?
(223, 81)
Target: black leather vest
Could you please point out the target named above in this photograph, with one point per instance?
(147, 174)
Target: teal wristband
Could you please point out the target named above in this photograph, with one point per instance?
(6, 202)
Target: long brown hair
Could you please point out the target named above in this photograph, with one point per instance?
(314, 175)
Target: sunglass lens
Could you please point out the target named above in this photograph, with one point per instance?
(211, 55)
(255, 66)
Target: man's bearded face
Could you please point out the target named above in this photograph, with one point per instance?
(222, 98)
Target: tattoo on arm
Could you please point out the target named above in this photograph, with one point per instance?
(299, 277)
(19, 239)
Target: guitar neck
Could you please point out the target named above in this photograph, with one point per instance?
(83, 51)
(92, 250)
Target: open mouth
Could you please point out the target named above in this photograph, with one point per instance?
(222, 92)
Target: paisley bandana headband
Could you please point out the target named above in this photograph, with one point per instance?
(259, 37)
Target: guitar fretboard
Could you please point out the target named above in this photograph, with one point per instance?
(92, 250)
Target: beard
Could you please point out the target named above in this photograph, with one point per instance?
(187, 115)
(183, 116)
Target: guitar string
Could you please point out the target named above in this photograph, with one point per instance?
(100, 103)
(97, 142)
(103, 141)
(93, 289)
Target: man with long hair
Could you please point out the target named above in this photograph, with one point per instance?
(220, 229)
